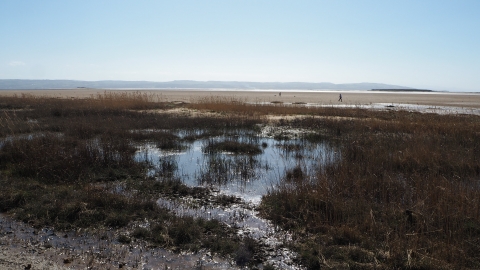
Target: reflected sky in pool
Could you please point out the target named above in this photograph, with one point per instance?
(245, 176)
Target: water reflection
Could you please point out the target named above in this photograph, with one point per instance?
(243, 175)
(246, 176)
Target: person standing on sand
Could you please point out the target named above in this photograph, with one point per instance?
(340, 98)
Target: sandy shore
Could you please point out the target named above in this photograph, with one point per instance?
(451, 99)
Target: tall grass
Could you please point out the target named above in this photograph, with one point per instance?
(406, 185)
(404, 192)
(53, 158)
(71, 163)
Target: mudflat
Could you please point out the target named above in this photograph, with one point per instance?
(451, 99)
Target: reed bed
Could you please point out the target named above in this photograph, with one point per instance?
(403, 192)
(70, 163)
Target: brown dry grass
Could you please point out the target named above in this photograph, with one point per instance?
(404, 192)
(70, 163)
(406, 185)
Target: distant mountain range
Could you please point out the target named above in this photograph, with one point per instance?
(11, 84)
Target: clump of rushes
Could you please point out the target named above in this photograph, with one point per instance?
(51, 158)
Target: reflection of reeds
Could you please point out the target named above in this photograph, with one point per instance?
(167, 167)
(221, 170)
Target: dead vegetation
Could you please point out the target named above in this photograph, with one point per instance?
(69, 163)
(404, 193)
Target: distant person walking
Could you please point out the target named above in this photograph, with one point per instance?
(340, 98)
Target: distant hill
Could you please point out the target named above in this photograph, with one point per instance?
(11, 84)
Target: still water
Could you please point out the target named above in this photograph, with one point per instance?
(245, 176)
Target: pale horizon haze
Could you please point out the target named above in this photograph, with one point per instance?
(420, 44)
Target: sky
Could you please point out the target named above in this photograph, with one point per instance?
(416, 43)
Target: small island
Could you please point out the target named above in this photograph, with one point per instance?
(403, 90)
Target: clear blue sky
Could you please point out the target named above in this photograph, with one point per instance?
(417, 43)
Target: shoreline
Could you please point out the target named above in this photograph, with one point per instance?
(323, 97)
